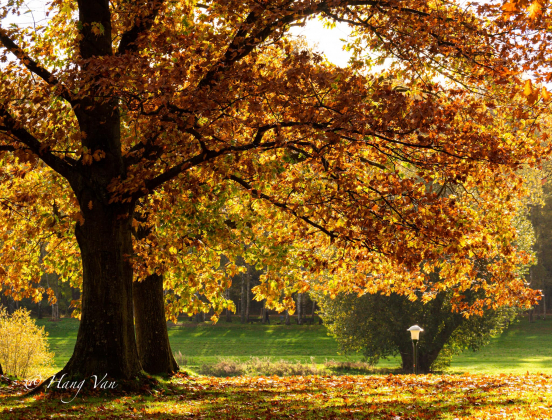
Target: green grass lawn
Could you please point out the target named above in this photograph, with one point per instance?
(523, 347)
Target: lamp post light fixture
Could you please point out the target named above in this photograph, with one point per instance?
(415, 334)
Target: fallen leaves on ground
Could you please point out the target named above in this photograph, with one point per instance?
(310, 397)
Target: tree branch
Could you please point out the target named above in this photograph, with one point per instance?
(128, 39)
(57, 164)
(257, 194)
(33, 66)
(207, 154)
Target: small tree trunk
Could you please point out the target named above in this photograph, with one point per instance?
(55, 312)
(75, 296)
(407, 360)
(51, 281)
(313, 308)
(39, 309)
(543, 306)
(287, 317)
(247, 299)
(152, 338)
(425, 359)
(263, 309)
(299, 308)
(11, 305)
(228, 313)
(242, 300)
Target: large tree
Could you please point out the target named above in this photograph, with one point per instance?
(116, 104)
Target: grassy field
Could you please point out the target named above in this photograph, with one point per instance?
(510, 392)
(524, 347)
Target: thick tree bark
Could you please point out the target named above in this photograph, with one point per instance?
(152, 337)
(105, 341)
(287, 317)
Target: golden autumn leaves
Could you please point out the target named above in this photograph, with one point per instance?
(532, 8)
(532, 94)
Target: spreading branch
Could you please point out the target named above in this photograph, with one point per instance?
(257, 194)
(57, 164)
(128, 39)
(33, 66)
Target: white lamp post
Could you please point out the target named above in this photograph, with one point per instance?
(415, 334)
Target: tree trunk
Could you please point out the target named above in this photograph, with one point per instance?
(106, 342)
(75, 295)
(425, 359)
(313, 309)
(248, 288)
(52, 282)
(287, 317)
(299, 308)
(263, 311)
(243, 319)
(39, 309)
(1, 371)
(407, 360)
(55, 312)
(152, 338)
(228, 313)
(11, 305)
